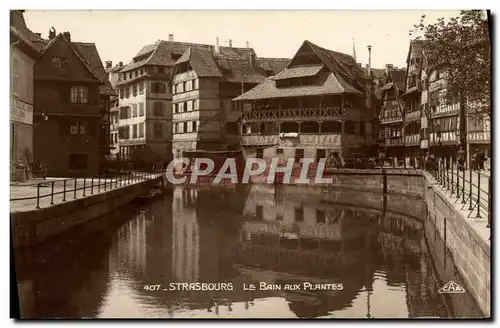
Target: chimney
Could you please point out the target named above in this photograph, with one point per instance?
(67, 36)
(369, 81)
(39, 34)
(120, 64)
(388, 68)
(52, 33)
(369, 61)
(230, 43)
(360, 65)
(367, 66)
(253, 58)
(217, 45)
(109, 64)
(248, 44)
(171, 37)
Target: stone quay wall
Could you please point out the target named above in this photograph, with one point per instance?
(32, 227)
(469, 252)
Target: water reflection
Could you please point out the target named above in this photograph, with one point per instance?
(242, 236)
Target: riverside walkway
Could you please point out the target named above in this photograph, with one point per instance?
(39, 193)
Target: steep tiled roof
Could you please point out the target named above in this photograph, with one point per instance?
(230, 64)
(88, 51)
(398, 78)
(274, 65)
(344, 76)
(344, 65)
(202, 62)
(267, 89)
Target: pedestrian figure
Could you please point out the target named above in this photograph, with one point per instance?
(461, 158)
(481, 158)
(381, 158)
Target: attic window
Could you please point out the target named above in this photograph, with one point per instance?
(295, 82)
(59, 62)
(175, 56)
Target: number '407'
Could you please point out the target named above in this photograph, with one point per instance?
(152, 288)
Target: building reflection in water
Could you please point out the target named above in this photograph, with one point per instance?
(253, 234)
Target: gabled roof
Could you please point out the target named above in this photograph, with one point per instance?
(201, 61)
(88, 51)
(274, 65)
(333, 85)
(344, 65)
(229, 64)
(398, 78)
(76, 51)
(343, 76)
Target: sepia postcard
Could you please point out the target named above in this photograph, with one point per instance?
(250, 164)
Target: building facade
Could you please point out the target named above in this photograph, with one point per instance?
(22, 60)
(205, 80)
(114, 116)
(145, 101)
(391, 115)
(321, 103)
(412, 99)
(68, 80)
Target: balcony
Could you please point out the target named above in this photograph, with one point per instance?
(299, 139)
(327, 113)
(444, 138)
(412, 140)
(395, 141)
(390, 120)
(479, 137)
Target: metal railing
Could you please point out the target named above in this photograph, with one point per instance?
(73, 188)
(469, 187)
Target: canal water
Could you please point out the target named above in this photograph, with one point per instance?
(305, 257)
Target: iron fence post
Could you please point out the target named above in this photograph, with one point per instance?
(105, 184)
(463, 186)
(64, 190)
(470, 190)
(74, 190)
(38, 196)
(52, 194)
(92, 186)
(478, 215)
(84, 180)
(452, 178)
(99, 183)
(116, 182)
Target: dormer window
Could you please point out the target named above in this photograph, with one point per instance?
(59, 62)
(175, 57)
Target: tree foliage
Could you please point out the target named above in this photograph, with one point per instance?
(462, 45)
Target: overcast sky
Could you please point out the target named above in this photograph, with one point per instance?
(119, 35)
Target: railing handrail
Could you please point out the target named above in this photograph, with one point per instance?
(99, 183)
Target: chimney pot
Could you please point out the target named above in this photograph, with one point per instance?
(248, 44)
(67, 36)
(171, 37)
(230, 43)
(52, 33)
(109, 64)
(217, 44)
(120, 64)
